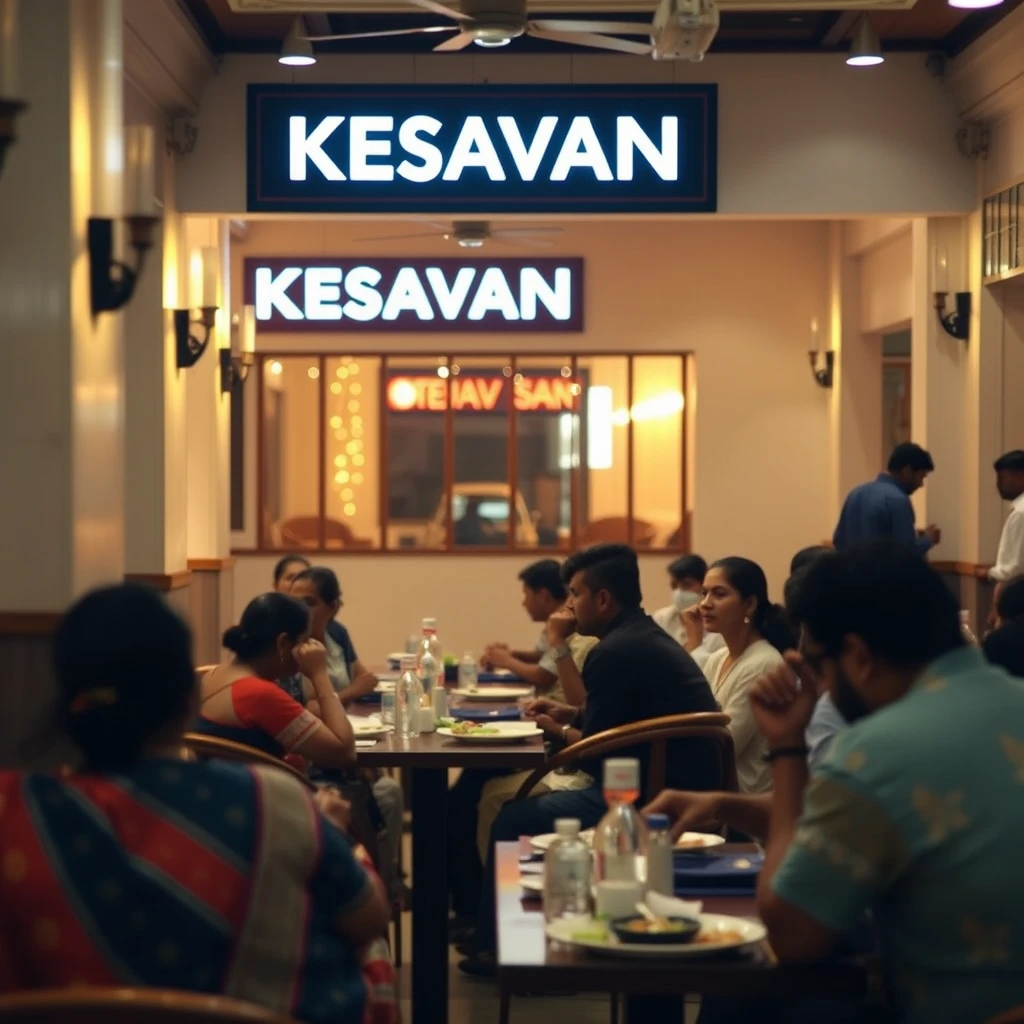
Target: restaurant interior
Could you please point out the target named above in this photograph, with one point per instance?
(426, 294)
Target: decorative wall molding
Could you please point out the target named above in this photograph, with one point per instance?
(210, 564)
(160, 580)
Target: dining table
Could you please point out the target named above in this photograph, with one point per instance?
(528, 962)
(428, 758)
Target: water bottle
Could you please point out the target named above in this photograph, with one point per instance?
(620, 840)
(429, 658)
(467, 672)
(659, 855)
(407, 700)
(965, 628)
(567, 873)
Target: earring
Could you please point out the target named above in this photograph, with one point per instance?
(746, 620)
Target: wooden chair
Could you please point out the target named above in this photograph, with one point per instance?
(1015, 1016)
(655, 733)
(130, 1006)
(214, 747)
(304, 532)
(615, 530)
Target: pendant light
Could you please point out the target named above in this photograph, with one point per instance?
(865, 49)
(297, 50)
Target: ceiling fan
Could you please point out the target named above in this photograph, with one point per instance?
(472, 234)
(492, 23)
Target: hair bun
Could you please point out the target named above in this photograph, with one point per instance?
(233, 639)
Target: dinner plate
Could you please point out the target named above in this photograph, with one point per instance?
(533, 885)
(542, 842)
(697, 841)
(369, 728)
(508, 732)
(732, 932)
(385, 686)
(501, 693)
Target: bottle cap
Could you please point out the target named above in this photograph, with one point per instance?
(657, 821)
(429, 625)
(622, 773)
(408, 662)
(567, 826)
(965, 617)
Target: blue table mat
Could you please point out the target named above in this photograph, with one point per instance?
(722, 874)
(484, 715)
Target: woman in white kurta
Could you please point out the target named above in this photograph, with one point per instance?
(736, 605)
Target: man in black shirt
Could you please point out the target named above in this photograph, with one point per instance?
(636, 671)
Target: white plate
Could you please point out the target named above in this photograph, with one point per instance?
(697, 841)
(745, 933)
(542, 842)
(396, 656)
(532, 884)
(369, 728)
(486, 691)
(385, 686)
(508, 732)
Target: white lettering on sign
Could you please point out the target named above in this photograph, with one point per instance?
(372, 149)
(331, 293)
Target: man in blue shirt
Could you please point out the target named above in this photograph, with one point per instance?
(881, 509)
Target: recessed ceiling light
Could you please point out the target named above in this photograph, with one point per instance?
(974, 5)
(297, 50)
(492, 44)
(865, 49)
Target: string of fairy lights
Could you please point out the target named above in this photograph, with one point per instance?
(347, 430)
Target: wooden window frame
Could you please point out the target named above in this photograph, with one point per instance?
(264, 547)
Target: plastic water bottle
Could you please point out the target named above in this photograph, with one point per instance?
(468, 677)
(620, 840)
(965, 628)
(429, 658)
(659, 855)
(407, 700)
(567, 873)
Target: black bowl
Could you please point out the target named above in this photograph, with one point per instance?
(690, 928)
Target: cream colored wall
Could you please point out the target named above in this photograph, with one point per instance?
(798, 135)
(739, 296)
(886, 285)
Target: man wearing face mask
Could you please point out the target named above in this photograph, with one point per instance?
(907, 817)
(686, 578)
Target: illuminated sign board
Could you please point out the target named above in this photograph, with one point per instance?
(482, 149)
(346, 294)
(480, 392)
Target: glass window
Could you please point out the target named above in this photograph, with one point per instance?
(416, 400)
(658, 469)
(289, 432)
(484, 508)
(352, 452)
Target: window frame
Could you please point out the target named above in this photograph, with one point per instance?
(386, 358)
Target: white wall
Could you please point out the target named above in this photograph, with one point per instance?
(798, 135)
(738, 296)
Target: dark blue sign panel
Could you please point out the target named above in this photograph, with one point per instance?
(482, 149)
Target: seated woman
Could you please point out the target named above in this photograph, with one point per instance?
(319, 590)
(147, 870)
(240, 701)
(1004, 646)
(755, 632)
(286, 570)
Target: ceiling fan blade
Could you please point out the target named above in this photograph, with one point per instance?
(436, 8)
(381, 35)
(615, 28)
(597, 42)
(520, 243)
(398, 238)
(459, 42)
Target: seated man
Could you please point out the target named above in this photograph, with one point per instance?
(636, 671)
(912, 812)
(1004, 646)
(544, 594)
(686, 579)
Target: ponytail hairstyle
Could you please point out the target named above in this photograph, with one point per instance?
(265, 618)
(770, 620)
(123, 662)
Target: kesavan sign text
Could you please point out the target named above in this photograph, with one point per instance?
(346, 294)
(482, 149)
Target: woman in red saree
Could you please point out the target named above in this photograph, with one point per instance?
(146, 870)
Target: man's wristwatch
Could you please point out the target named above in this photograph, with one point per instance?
(561, 651)
(565, 733)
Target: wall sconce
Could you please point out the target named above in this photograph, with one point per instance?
(958, 323)
(10, 108)
(236, 360)
(823, 375)
(203, 295)
(112, 282)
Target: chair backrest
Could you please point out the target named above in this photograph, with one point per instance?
(656, 734)
(615, 530)
(1014, 1016)
(216, 748)
(304, 532)
(130, 1006)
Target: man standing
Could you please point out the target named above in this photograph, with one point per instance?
(1010, 483)
(882, 510)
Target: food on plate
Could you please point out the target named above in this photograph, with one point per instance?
(642, 926)
(691, 844)
(594, 931)
(447, 723)
(725, 935)
(473, 729)
(670, 930)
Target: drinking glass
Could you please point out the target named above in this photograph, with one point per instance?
(387, 708)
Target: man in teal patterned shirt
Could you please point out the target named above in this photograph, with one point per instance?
(917, 813)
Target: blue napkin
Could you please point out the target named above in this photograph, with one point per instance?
(495, 677)
(717, 874)
(483, 715)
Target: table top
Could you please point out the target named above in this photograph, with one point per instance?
(429, 750)
(527, 961)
